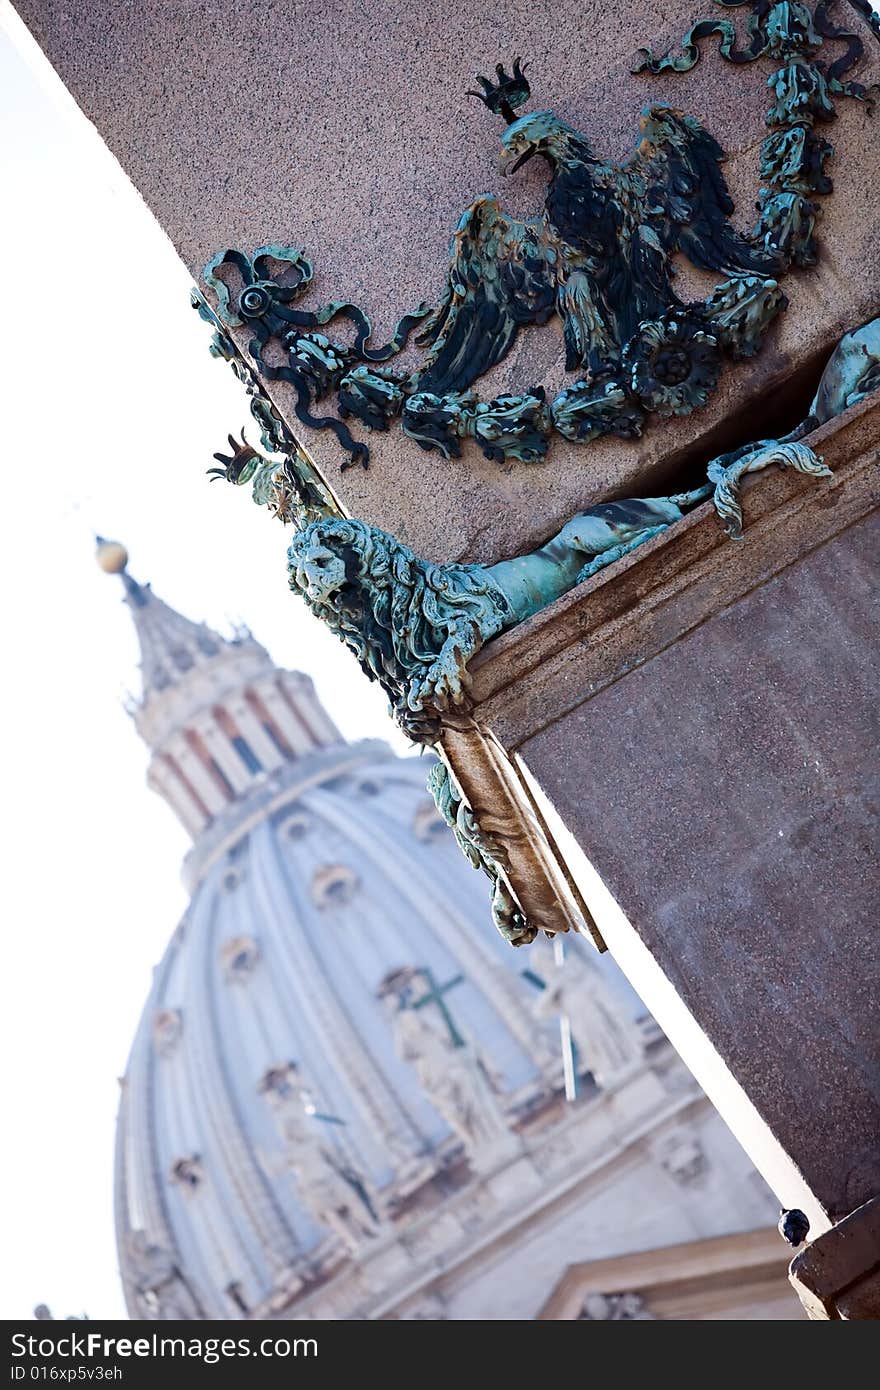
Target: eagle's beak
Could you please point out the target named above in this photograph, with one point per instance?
(507, 168)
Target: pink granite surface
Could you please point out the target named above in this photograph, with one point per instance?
(343, 128)
(728, 795)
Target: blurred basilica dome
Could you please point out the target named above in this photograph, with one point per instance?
(346, 1091)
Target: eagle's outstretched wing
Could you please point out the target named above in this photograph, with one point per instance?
(501, 277)
(686, 197)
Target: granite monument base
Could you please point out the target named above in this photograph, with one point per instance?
(697, 729)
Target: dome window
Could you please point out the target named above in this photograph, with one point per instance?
(247, 754)
(182, 659)
(428, 824)
(167, 1028)
(239, 957)
(187, 1172)
(230, 880)
(334, 886)
(297, 827)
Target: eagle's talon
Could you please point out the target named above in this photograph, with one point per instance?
(360, 454)
(728, 472)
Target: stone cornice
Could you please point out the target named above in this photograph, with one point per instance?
(276, 792)
(532, 675)
(604, 1134)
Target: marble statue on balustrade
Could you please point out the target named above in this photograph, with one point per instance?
(607, 1039)
(334, 1193)
(455, 1075)
(160, 1290)
(614, 1307)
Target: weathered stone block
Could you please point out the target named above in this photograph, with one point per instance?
(724, 699)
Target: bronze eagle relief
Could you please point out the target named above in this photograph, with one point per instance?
(599, 257)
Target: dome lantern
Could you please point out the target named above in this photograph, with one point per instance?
(219, 718)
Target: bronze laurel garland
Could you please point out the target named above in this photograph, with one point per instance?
(803, 88)
(598, 257)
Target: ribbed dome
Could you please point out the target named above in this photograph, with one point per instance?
(345, 878)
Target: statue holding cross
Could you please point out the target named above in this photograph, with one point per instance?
(606, 1039)
(452, 1071)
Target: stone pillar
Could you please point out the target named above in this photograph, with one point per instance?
(836, 1276)
(721, 825)
(219, 745)
(164, 779)
(300, 691)
(376, 201)
(253, 731)
(197, 774)
(288, 725)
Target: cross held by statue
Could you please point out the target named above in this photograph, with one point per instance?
(433, 993)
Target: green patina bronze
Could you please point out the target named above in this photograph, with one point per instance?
(482, 851)
(599, 257)
(434, 996)
(852, 374)
(414, 626)
(803, 88)
(290, 485)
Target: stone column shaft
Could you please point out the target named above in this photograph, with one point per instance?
(220, 747)
(197, 774)
(300, 691)
(291, 728)
(164, 780)
(253, 732)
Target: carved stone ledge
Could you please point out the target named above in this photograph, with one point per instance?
(531, 676)
(837, 1277)
(503, 806)
(697, 725)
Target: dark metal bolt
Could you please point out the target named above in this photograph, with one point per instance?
(793, 1226)
(253, 302)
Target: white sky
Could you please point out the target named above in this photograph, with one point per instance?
(112, 407)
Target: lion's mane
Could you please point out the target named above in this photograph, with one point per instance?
(398, 613)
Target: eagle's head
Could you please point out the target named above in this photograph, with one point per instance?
(540, 132)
